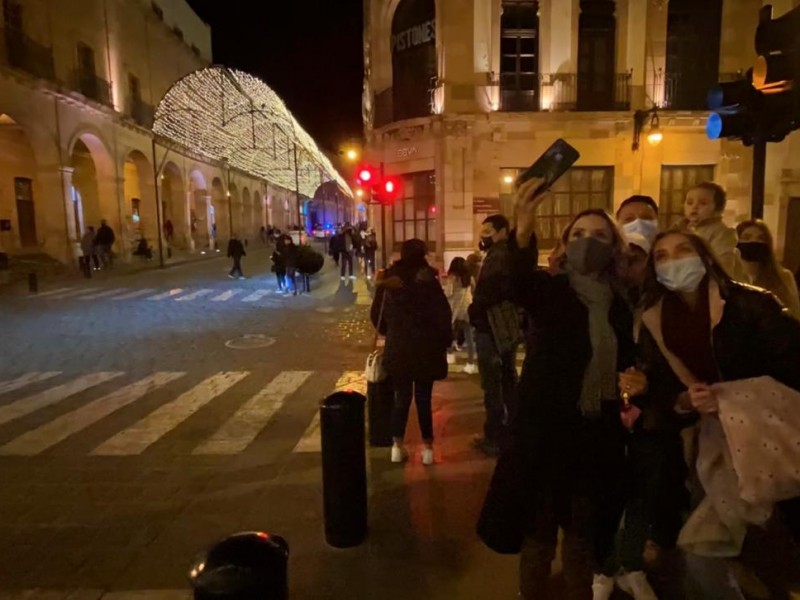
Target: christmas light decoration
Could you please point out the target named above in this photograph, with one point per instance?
(229, 115)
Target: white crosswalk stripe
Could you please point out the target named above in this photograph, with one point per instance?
(24, 380)
(53, 292)
(312, 438)
(225, 296)
(72, 292)
(194, 295)
(137, 438)
(135, 294)
(257, 295)
(168, 294)
(103, 294)
(38, 440)
(28, 405)
(242, 428)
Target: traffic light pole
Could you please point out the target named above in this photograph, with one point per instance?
(759, 174)
(383, 224)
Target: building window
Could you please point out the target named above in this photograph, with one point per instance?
(693, 45)
(579, 189)
(12, 16)
(519, 55)
(676, 181)
(135, 88)
(159, 12)
(86, 69)
(596, 55)
(414, 212)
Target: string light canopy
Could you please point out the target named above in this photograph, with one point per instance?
(229, 115)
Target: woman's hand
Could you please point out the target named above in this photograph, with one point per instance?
(703, 399)
(525, 206)
(632, 382)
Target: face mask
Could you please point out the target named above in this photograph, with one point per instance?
(644, 227)
(589, 254)
(754, 251)
(485, 244)
(681, 274)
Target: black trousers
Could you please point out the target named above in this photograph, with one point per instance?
(236, 271)
(422, 393)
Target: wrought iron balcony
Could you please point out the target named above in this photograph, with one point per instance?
(680, 92)
(142, 113)
(570, 91)
(92, 86)
(26, 54)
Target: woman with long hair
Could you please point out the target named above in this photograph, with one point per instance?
(757, 248)
(700, 328)
(566, 424)
(459, 293)
(411, 310)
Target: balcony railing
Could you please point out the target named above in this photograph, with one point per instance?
(142, 113)
(92, 86)
(22, 52)
(571, 91)
(679, 92)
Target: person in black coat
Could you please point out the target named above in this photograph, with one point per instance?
(279, 263)
(290, 260)
(565, 425)
(411, 309)
(236, 252)
(698, 328)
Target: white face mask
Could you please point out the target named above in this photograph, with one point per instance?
(644, 227)
(681, 274)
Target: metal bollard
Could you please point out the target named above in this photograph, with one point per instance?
(245, 566)
(344, 469)
(33, 283)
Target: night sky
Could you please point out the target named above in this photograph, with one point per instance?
(308, 51)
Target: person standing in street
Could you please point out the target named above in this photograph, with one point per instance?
(104, 240)
(459, 294)
(236, 252)
(370, 249)
(88, 250)
(497, 368)
(411, 310)
(348, 249)
(279, 264)
(290, 252)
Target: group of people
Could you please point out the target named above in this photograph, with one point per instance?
(96, 248)
(349, 245)
(633, 335)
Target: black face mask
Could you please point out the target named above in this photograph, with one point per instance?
(485, 244)
(754, 251)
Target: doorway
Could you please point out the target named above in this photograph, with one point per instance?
(26, 212)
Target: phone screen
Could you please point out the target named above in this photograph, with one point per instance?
(551, 165)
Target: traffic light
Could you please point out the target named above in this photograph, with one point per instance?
(366, 175)
(390, 190)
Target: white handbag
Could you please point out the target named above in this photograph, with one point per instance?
(374, 371)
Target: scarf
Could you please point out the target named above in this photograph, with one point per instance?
(600, 376)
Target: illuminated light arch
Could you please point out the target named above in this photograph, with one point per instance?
(229, 115)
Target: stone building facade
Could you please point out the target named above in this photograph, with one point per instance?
(462, 94)
(78, 90)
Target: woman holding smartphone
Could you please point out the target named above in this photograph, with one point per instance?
(566, 424)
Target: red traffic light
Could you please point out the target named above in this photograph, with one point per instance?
(366, 175)
(391, 189)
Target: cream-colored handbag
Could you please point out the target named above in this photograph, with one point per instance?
(374, 371)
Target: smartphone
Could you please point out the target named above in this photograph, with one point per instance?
(551, 165)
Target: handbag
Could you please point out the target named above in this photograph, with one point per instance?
(374, 370)
(504, 322)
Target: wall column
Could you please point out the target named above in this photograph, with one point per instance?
(187, 220)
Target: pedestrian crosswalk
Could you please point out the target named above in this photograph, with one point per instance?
(160, 295)
(60, 408)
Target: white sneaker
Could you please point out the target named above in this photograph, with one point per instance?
(399, 453)
(602, 587)
(635, 584)
(343, 278)
(427, 457)
(353, 277)
(451, 358)
(470, 368)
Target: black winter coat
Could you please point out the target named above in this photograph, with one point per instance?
(236, 249)
(492, 287)
(568, 453)
(417, 324)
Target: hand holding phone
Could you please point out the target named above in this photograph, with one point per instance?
(551, 165)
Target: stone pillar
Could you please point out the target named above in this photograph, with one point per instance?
(73, 215)
(635, 50)
(187, 221)
(209, 218)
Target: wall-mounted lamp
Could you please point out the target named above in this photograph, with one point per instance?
(654, 133)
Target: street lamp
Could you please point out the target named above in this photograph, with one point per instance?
(352, 155)
(654, 134)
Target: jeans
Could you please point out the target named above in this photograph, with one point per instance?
(291, 274)
(422, 391)
(236, 271)
(369, 264)
(469, 338)
(346, 262)
(281, 277)
(498, 380)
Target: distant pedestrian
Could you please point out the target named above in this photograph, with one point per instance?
(169, 231)
(348, 249)
(335, 245)
(104, 241)
(416, 321)
(236, 252)
(279, 264)
(459, 288)
(290, 257)
(370, 250)
(262, 234)
(89, 255)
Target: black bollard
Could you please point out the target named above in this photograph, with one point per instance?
(33, 283)
(245, 566)
(344, 469)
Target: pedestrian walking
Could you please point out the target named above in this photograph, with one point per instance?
(279, 264)
(290, 259)
(370, 250)
(169, 231)
(347, 251)
(89, 251)
(459, 288)
(104, 240)
(757, 249)
(236, 252)
(335, 245)
(417, 325)
(701, 332)
(566, 453)
(496, 357)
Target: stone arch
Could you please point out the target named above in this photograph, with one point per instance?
(139, 209)
(220, 227)
(173, 205)
(94, 186)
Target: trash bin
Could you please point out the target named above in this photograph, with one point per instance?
(344, 469)
(245, 566)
